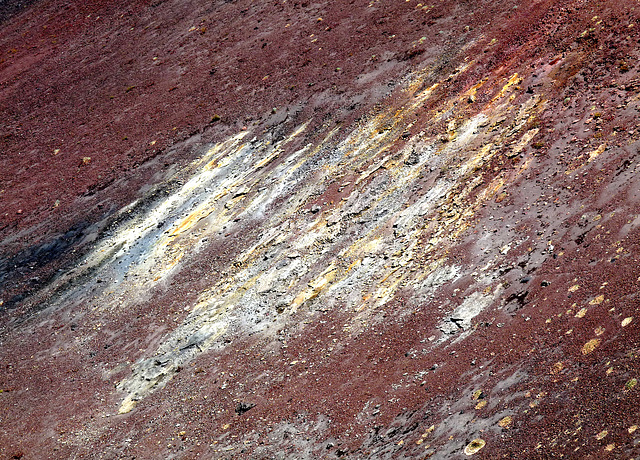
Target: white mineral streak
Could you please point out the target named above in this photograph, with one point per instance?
(386, 234)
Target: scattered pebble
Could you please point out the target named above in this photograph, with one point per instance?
(505, 422)
(474, 446)
(480, 405)
(557, 367)
(590, 346)
(597, 301)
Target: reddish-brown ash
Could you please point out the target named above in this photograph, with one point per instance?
(81, 79)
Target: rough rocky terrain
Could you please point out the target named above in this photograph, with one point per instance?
(310, 229)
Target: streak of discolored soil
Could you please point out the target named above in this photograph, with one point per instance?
(119, 95)
(313, 230)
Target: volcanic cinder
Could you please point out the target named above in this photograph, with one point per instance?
(311, 229)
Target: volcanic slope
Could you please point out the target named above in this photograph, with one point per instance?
(319, 229)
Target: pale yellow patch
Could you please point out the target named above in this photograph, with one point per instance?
(474, 446)
(596, 153)
(511, 82)
(557, 367)
(127, 405)
(315, 287)
(505, 422)
(581, 313)
(524, 141)
(590, 346)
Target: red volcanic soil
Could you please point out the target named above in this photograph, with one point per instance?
(91, 91)
(108, 103)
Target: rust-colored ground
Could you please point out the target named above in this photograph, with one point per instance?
(446, 252)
